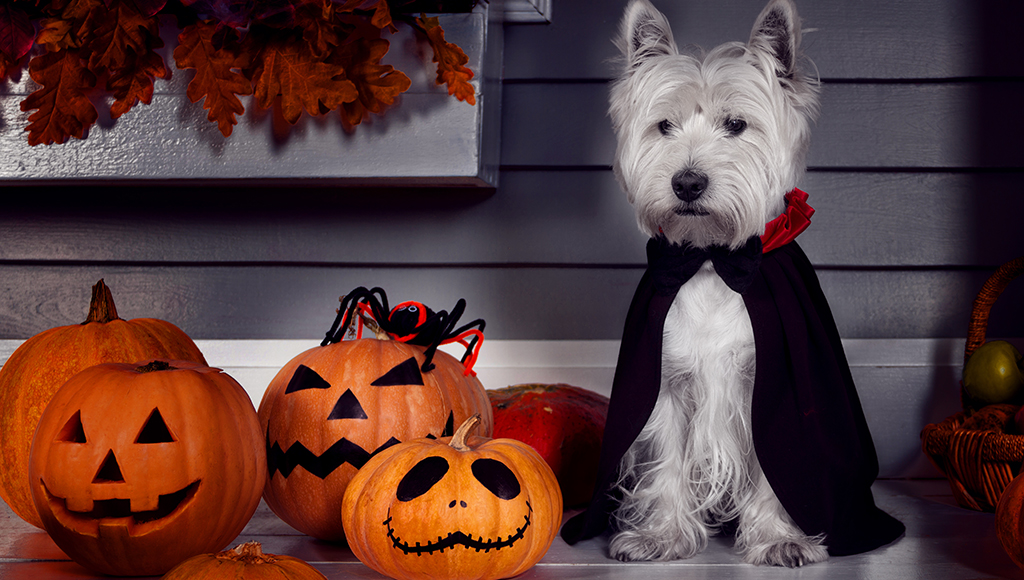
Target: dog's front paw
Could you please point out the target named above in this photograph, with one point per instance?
(788, 553)
(634, 546)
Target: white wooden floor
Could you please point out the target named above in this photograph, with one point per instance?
(943, 542)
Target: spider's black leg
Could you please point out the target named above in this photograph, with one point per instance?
(379, 307)
(443, 319)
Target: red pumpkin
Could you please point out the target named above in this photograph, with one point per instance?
(246, 561)
(46, 361)
(1010, 520)
(333, 407)
(458, 508)
(565, 424)
(138, 467)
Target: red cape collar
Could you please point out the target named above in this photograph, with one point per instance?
(785, 228)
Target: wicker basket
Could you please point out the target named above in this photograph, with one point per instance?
(978, 464)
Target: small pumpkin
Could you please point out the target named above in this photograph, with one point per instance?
(244, 561)
(46, 361)
(1010, 520)
(463, 507)
(564, 423)
(331, 408)
(136, 467)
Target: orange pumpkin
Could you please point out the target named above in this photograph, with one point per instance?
(333, 407)
(1010, 520)
(458, 508)
(136, 468)
(46, 361)
(244, 561)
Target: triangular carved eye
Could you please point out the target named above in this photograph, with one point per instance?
(155, 430)
(110, 471)
(72, 432)
(305, 378)
(347, 407)
(404, 373)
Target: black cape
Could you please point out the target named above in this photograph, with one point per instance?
(809, 430)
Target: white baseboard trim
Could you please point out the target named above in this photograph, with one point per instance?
(586, 363)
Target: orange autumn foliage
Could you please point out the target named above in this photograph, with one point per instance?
(87, 40)
(62, 104)
(299, 56)
(451, 61)
(288, 75)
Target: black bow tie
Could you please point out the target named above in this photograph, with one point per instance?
(672, 265)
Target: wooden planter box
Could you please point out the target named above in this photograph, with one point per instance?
(428, 138)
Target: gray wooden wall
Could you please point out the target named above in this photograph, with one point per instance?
(915, 171)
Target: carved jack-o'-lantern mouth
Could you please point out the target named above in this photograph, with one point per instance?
(347, 406)
(169, 505)
(458, 538)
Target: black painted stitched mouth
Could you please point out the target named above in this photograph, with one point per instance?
(458, 538)
(121, 508)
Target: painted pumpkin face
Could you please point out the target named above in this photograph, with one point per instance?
(455, 508)
(332, 408)
(139, 467)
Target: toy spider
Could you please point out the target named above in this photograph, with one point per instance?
(409, 322)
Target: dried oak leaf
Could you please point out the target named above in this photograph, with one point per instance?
(451, 61)
(16, 35)
(318, 28)
(112, 33)
(76, 12)
(378, 84)
(289, 75)
(133, 82)
(62, 106)
(56, 34)
(215, 79)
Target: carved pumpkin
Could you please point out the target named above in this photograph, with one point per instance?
(565, 424)
(246, 561)
(333, 407)
(456, 508)
(46, 361)
(136, 468)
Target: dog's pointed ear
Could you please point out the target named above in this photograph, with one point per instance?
(645, 33)
(777, 33)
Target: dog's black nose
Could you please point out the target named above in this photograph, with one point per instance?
(689, 184)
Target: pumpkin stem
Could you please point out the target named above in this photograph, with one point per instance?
(249, 552)
(157, 365)
(458, 441)
(370, 323)
(101, 308)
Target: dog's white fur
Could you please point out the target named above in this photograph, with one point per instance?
(739, 117)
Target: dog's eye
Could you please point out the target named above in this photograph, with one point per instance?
(734, 126)
(664, 127)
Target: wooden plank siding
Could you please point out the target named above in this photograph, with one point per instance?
(915, 173)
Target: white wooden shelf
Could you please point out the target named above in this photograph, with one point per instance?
(427, 139)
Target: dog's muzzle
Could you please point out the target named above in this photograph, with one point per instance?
(689, 186)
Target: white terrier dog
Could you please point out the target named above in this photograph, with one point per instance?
(708, 148)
